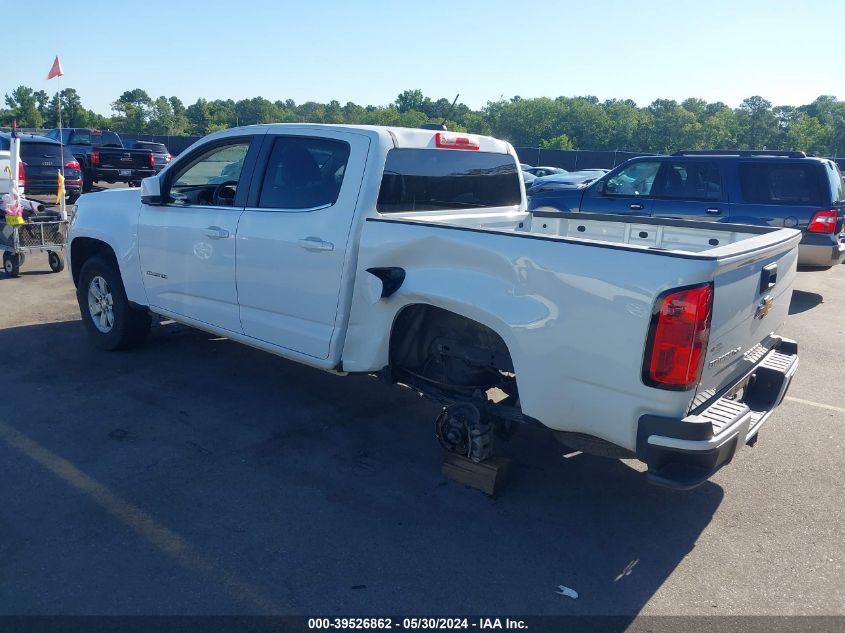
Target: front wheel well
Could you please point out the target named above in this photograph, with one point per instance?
(435, 349)
(84, 248)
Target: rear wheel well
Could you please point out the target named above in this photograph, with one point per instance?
(84, 248)
(435, 350)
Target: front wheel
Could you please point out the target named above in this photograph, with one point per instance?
(109, 318)
(56, 261)
(12, 264)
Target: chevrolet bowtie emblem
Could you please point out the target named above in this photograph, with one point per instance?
(764, 307)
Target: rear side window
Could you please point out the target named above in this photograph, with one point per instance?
(432, 179)
(690, 180)
(303, 173)
(837, 186)
(34, 152)
(780, 183)
(5, 144)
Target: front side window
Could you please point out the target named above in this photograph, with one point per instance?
(780, 183)
(303, 173)
(689, 180)
(636, 179)
(434, 179)
(212, 178)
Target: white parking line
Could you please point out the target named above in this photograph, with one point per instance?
(815, 404)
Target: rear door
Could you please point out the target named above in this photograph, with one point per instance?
(626, 192)
(293, 238)
(690, 189)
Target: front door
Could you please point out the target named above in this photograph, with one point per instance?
(292, 241)
(187, 246)
(627, 192)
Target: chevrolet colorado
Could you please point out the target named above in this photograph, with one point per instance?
(411, 254)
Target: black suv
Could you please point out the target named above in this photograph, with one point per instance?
(744, 187)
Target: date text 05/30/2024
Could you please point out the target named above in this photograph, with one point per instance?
(430, 624)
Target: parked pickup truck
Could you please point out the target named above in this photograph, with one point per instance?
(102, 156)
(411, 254)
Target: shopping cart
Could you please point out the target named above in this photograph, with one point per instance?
(39, 234)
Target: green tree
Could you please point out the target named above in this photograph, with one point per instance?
(558, 142)
(23, 103)
(757, 123)
(410, 100)
(133, 109)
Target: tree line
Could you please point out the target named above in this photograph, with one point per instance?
(664, 125)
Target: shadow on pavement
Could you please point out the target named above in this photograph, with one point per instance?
(323, 491)
(803, 301)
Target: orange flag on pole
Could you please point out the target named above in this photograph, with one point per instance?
(56, 70)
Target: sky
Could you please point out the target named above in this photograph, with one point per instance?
(368, 51)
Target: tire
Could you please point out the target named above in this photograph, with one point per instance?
(72, 198)
(11, 265)
(21, 260)
(87, 181)
(56, 261)
(110, 320)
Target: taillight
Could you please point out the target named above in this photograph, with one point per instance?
(677, 341)
(152, 160)
(72, 164)
(21, 174)
(450, 140)
(823, 222)
(95, 157)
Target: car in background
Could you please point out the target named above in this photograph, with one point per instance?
(161, 155)
(757, 187)
(545, 171)
(528, 178)
(102, 156)
(568, 180)
(43, 159)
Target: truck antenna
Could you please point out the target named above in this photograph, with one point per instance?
(449, 111)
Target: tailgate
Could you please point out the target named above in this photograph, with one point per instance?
(750, 304)
(125, 158)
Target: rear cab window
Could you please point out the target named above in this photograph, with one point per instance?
(440, 179)
(779, 182)
(95, 138)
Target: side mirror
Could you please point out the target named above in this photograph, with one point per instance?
(599, 186)
(151, 191)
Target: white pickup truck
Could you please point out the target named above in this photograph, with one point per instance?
(409, 253)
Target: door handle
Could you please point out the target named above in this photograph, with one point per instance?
(713, 211)
(636, 207)
(315, 244)
(216, 233)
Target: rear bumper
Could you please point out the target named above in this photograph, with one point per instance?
(107, 173)
(820, 250)
(50, 188)
(684, 453)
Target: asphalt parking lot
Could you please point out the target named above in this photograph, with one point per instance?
(198, 476)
